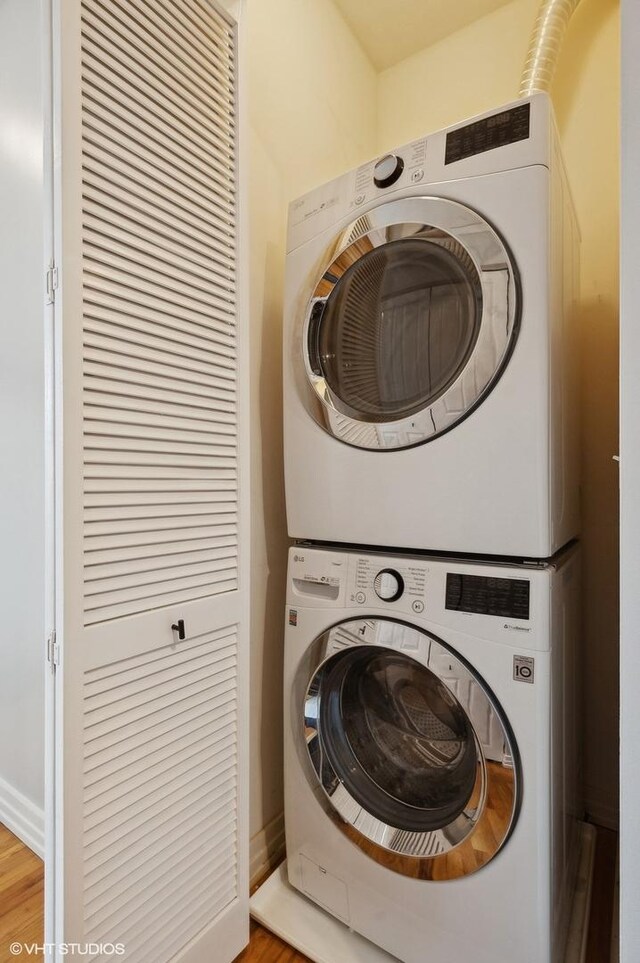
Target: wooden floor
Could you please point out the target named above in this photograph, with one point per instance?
(267, 948)
(21, 895)
(21, 905)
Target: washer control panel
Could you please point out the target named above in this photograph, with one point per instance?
(495, 602)
(402, 584)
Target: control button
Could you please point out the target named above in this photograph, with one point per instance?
(360, 597)
(418, 606)
(388, 585)
(387, 170)
(417, 175)
(359, 200)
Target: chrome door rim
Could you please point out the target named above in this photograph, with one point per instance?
(425, 855)
(434, 219)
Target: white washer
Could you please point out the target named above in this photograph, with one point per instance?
(431, 750)
(429, 362)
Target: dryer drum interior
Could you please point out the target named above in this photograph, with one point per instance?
(414, 755)
(399, 327)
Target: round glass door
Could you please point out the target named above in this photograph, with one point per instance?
(397, 743)
(410, 324)
(397, 739)
(398, 329)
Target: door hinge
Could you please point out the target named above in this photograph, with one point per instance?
(53, 650)
(52, 282)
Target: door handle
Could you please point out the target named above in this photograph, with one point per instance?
(179, 628)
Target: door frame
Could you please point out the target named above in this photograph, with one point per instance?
(51, 482)
(629, 484)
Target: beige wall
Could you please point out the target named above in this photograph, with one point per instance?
(313, 91)
(312, 115)
(268, 526)
(473, 70)
(587, 97)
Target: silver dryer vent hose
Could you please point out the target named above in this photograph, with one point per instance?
(544, 47)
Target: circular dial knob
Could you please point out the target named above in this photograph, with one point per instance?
(387, 170)
(388, 585)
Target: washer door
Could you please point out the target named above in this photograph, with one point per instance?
(396, 735)
(410, 324)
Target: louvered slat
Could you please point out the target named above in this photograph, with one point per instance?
(162, 72)
(140, 848)
(131, 324)
(193, 171)
(125, 287)
(140, 557)
(202, 283)
(166, 129)
(152, 33)
(126, 546)
(104, 725)
(107, 769)
(223, 364)
(103, 491)
(159, 311)
(156, 245)
(118, 81)
(130, 199)
(153, 405)
(124, 154)
(191, 33)
(137, 392)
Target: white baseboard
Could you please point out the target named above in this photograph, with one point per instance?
(22, 817)
(601, 807)
(266, 849)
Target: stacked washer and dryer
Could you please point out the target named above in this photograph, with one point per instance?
(431, 735)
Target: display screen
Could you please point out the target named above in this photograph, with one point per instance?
(507, 127)
(504, 597)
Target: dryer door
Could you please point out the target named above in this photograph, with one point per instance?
(410, 325)
(393, 726)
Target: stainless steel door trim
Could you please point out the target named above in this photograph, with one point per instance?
(451, 225)
(446, 853)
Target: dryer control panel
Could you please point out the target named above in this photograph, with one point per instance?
(515, 136)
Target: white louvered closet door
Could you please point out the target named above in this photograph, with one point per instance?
(151, 786)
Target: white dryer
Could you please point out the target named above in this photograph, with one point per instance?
(431, 751)
(429, 360)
